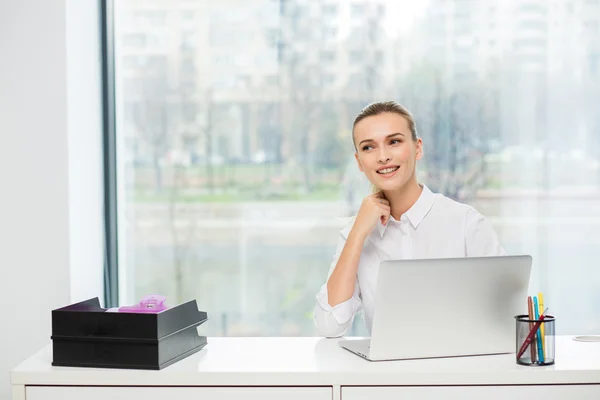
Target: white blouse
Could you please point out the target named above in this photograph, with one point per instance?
(434, 227)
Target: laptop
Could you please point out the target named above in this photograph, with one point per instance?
(447, 307)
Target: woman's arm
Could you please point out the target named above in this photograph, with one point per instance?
(339, 299)
(335, 321)
(340, 284)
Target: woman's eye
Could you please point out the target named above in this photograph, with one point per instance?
(367, 147)
(395, 141)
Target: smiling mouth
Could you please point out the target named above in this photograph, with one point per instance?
(387, 170)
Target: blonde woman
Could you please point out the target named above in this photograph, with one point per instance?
(402, 219)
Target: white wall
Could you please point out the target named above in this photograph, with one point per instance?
(84, 102)
(49, 168)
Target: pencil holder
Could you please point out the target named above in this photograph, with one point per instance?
(534, 340)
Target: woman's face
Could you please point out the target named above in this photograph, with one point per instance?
(386, 152)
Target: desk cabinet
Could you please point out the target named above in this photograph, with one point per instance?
(546, 392)
(179, 393)
(274, 368)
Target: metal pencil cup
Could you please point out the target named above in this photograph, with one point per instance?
(540, 349)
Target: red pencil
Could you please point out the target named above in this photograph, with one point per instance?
(531, 334)
(531, 316)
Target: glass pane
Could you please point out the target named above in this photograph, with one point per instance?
(236, 165)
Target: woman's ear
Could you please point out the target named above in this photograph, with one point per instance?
(419, 150)
(358, 162)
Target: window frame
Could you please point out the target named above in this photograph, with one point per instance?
(111, 259)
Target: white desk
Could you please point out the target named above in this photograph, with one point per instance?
(316, 369)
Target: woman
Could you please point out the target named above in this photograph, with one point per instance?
(402, 219)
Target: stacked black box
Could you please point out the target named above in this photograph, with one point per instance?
(85, 335)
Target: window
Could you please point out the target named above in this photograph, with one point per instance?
(144, 16)
(532, 8)
(188, 40)
(134, 40)
(188, 16)
(328, 56)
(358, 10)
(330, 10)
(272, 80)
(356, 56)
(330, 33)
(187, 66)
(236, 168)
(328, 80)
(378, 57)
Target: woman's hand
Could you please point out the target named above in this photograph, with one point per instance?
(374, 208)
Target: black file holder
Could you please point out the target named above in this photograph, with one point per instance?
(86, 335)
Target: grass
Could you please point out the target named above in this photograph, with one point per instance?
(237, 195)
(234, 184)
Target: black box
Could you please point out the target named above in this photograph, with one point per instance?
(85, 335)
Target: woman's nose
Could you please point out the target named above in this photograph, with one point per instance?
(383, 157)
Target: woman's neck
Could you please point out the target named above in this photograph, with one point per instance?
(403, 199)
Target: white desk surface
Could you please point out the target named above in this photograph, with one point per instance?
(274, 361)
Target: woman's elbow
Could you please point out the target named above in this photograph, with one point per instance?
(327, 326)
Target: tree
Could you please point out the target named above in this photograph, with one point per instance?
(179, 238)
(151, 118)
(330, 152)
(196, 123)
(301, 80)
(366, 56)
(204, 123)
(456, 118)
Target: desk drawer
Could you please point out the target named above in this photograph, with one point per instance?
(545, 392)
(179, 393)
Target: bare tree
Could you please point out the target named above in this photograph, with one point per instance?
(179, 238)
(182, 222)
(457, 118)
(301, 79)
(150, 115)
(270, 137)
(366, 56)
(205, 126)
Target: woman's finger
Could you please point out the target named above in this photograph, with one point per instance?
(385, 218)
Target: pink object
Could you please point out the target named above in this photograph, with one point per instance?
(153, 303)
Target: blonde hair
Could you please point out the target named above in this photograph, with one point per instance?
(381, 107)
